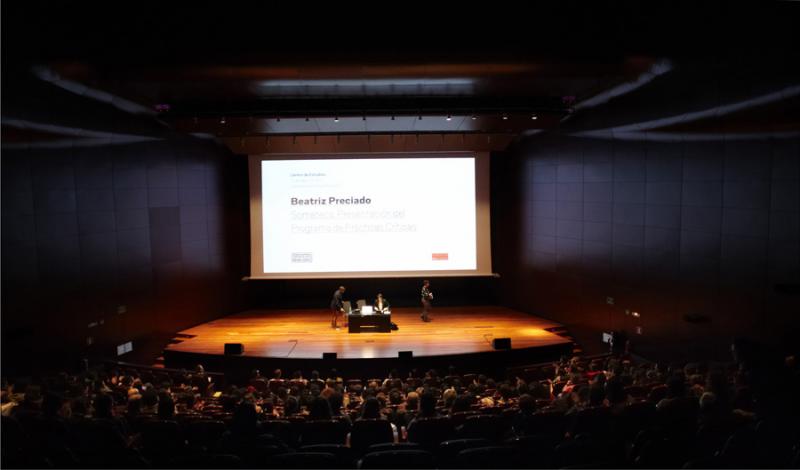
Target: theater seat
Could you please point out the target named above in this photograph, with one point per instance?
(447, 453)
(398, 459)
(489, 457)
(304, 460)
(482, 427)
(344, 455)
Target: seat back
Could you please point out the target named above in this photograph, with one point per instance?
(323, 432)
(203, 433)
(344, 455)
(482, 427)
(489, 457)
(305, 460)
(398, 459)
(447, 453)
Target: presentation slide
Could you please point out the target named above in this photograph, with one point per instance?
(382, 214)
(331, 216)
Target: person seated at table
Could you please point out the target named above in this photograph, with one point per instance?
(381, 305)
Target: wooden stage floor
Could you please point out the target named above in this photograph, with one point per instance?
(306, 334)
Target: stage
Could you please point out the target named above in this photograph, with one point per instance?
(298, 338)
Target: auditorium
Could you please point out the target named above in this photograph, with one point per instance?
(546, 235)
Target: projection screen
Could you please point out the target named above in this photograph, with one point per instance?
(369, 215)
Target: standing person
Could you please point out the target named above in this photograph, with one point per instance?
(337, 306)
(427, 296)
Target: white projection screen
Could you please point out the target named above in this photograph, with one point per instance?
(369, 215)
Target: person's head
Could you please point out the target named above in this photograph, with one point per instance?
(245, 418)
(462, 403)
(291, 406)
(596, 395)
(676, 388)
(427, 403)
(199, 369)
(51, 404)
(166, 407)
(314, 375)
(449, 397)
(297, 375)
(426, 283)
(395, 398)
(103, 406)
(615, 391)
(371, 409)
(380, 296)
(149, 398)
(342, 289)
(255, 374)
(527, 404)
(320, 408)
(277, 373)
(335, 401)
(412, 401)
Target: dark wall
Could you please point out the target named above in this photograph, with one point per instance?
(666, 229)
(116, 243)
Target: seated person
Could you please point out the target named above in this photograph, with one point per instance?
(381, 305)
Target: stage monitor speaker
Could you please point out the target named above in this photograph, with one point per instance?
(234, 349)
(405, 354)
(501, 343)
(329, 355)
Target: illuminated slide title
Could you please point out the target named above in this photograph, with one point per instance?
(330, 201)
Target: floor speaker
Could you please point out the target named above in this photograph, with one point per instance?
(329, 355)
(405, 354)
(234, 349)
(501, 343)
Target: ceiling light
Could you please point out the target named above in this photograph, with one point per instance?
(505, 117)
(449, 117)
(336, 119)
(474, 117)
(222, 120)
(534, 117)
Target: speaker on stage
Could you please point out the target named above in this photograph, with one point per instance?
(501, 343)
(329, 355)
(234, 349)
(405, 354)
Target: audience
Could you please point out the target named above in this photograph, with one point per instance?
(681, 413)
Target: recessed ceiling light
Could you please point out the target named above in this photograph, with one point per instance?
(505, 117)
(449, 117)
(336, 119)
(474, 117)
(534, 117)
(222, 120)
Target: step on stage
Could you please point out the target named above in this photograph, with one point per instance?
(297, 339)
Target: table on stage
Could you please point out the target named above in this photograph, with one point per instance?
(369, 323)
